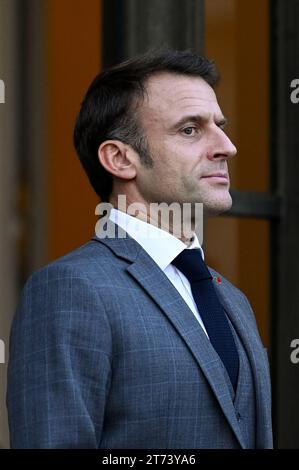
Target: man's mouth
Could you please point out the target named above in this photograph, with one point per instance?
(217, 177)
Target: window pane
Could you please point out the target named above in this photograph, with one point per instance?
(237, 38)
(239, 250)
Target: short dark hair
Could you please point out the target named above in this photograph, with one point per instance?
(108, 110)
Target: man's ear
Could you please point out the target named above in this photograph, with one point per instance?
(118, 159)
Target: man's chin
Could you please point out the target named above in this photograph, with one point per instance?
(217, 208)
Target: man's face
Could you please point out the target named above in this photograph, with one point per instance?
(183, 124)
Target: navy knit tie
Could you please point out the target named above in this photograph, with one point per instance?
(191, 264)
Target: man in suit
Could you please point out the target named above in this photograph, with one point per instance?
(131, 341)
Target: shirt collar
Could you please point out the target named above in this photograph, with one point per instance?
(161, 246)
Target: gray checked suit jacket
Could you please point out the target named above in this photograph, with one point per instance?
(105, 353)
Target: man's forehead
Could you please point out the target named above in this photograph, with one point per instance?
(175, 86)
(167, 92)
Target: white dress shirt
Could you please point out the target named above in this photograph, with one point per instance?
(163, 248)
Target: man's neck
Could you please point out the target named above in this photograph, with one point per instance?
(165, 218)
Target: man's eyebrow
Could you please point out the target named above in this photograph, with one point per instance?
(199, 119)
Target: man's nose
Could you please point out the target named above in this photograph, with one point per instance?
(222, 146)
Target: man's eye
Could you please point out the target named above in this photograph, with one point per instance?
(189, 130)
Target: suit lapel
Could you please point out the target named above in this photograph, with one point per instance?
(150, 277)
(254, 349)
